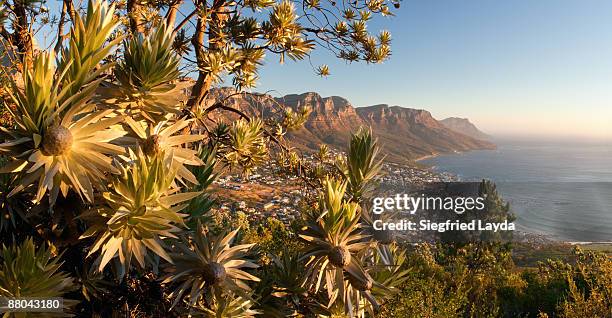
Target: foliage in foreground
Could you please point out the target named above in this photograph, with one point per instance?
(105, 193)
(28, 271)
(114, 176)
(442, 286)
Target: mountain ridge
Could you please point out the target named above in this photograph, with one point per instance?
(464, 126)
(406, 134)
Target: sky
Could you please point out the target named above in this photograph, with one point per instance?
(527, 68)
(514, 68)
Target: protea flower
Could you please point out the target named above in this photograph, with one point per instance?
(140, 211)
(146, 76)
(335, 241)
(209, 262)
(54, 147)
(165, 137)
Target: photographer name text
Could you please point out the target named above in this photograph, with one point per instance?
(448, 225)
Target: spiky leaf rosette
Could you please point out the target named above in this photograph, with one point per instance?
(323, 154)
(384, 273)
(361, 168)
(58, 141)
(145, 77)
(281, 288)
(390, 270)
(199, 208)
(209, 263)
(57, 145)
(26, 271)
(227, 306)
(295, 120)
(75, 154)
(283, 32)
(334, 239)
(363, 164)
(138, 213)
(246, 147)
(36, 103)
(45, 94)
(87, 47)
(165, 138)
(357, 296)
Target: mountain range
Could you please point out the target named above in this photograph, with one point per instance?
(464, 126)
(406, 134)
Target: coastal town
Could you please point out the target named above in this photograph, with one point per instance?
(267, 192)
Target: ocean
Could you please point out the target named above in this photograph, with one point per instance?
(560, 190)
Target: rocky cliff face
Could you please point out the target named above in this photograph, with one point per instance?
(332, 119)
(327, 113)
(413, 133)
(464, 126)
(405, 133)
(396, 117)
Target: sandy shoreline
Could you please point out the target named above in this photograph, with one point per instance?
(437, 154)
(423, 158)
(426, 157)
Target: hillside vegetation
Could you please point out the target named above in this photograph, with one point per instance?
(107, 174)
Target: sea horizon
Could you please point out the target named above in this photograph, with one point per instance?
(558, 189)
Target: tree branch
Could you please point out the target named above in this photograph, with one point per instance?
(136, 23)
(172, 11)
(60, 27)
(185, 20)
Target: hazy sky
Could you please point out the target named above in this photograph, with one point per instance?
(526, 67)
(513, 67)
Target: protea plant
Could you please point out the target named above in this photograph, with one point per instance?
(92, 39)
(358, 298)
(138, 213)
(386, 272)
(59, 142)
(145, 87)
(360, 293)
(283, 31)
(361, 168)
(27, 271)
(293, 120)
(165, 138)
(363, 165)
(282, 287)
(206, 174)
(58, 145)
(229, 305)
(246, 147)
(390, 270)
(123, 153)
(335, 241)
(323, 154)
(209, 263)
